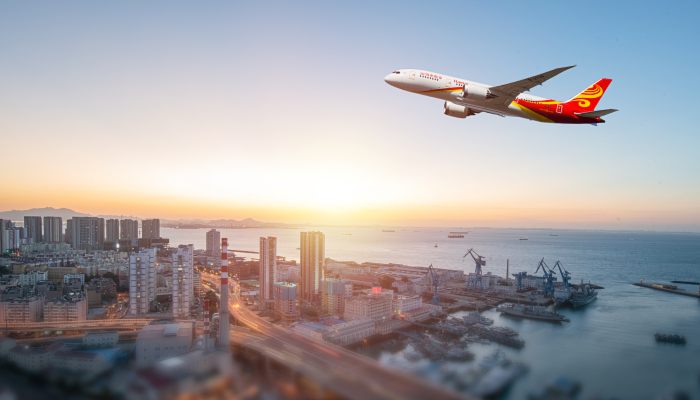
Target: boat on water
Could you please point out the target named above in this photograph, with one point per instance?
(531, 312)
(455, 235)
(497, 374)
(670, 338)
(582, 295)
(388, 230)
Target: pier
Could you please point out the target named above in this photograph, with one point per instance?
(668, 288)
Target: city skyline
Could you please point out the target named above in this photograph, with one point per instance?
(343, 147)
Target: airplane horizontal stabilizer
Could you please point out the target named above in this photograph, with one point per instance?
(596, 114)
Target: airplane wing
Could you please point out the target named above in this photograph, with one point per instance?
(508, 92)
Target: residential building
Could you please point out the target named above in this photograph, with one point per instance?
(18, 310)
(333, 294)
(285, 301)
(214, 243)
(182, 280)
(53, 229)
(32, 229)
(112, 231)
(33, 358)
(268, 268)
(312, 248)
(74, 279)
(375, 304)
(129, 230)
(160, 341)
(86, 233)
(10, 235)
(32, 278)
(142, 281)
(66, 308)
(150, 229)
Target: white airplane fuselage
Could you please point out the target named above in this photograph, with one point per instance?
(451, 89)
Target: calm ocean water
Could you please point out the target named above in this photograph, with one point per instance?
(608, 346)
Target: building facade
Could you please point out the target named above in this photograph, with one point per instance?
(333, 294)
(285, 300)
(142, 281)
(160, 341)
(129, 230)
(313, 256)
(86, 233)
(32, 229)
(150, 229)
(112, 235)
(214, 243)
(268, 268)
(53, 229)
(182, 284)
(66, 309)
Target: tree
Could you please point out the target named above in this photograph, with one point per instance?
(386, 281)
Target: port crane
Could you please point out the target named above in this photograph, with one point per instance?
(479, 262)
(565, 275)
(549, 278)
(434, 281)
(519, 280)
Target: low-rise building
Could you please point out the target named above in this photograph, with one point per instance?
(32, 278)
(21, 310)
(33, 358)
(67, 308)
(285, 303)
(160, 341)
(337, 331)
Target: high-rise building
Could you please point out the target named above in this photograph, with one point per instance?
(53, 229)
(268, 267)
(112, 231)
(129, 230)
(142, 280)
(285, 295)
(182, 285)
(32, 229)
(313, 257)
(213, 243)
(224, 327)
(86, 233)
(150, 229)
(333, 294)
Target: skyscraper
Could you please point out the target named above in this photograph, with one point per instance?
(213, 243)
(86, 233)
(183, 274)
(32, 229)
(129, 230)
(268, 267)
(53, 229)
(142, 280)
(313, 257)
(150, 229)
(112, 231)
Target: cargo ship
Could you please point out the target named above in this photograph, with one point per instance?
(455, 235)
(531, 312)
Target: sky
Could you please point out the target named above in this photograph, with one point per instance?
(278, 111)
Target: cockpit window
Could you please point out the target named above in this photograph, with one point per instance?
(396, 72)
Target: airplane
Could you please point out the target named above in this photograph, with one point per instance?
(465, 98)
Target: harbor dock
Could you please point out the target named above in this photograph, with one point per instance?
(664, 287)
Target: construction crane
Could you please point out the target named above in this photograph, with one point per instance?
(479, 262)
(434, 282)
(548, 276)
(565, 275)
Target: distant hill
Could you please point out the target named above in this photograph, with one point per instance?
(65, 213)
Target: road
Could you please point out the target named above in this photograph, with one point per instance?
(342, 371)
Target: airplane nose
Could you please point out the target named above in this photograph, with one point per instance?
(388, 79)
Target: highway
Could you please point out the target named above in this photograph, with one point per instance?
(342, 371)
(98, 324)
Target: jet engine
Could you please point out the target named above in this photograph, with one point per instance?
(477, 92)
(457, 111)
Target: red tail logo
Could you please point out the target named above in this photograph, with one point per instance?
(589, 98)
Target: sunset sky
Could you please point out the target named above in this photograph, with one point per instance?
(279, 112)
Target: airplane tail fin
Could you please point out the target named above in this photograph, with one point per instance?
(589, 98)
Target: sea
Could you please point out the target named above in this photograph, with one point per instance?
(608, 346)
